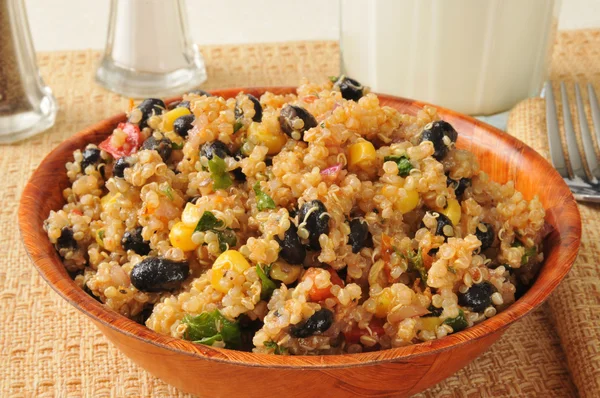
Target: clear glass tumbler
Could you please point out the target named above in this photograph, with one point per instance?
(27, 106)
(149, 51)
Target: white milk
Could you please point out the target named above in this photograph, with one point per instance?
(474, 56)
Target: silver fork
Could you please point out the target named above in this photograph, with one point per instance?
(585, 187)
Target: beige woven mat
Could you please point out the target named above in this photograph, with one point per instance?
(47, 348)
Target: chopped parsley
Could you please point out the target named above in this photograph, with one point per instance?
(168, 191)
(218, 173)
(237, 126)
(226, 236)
(459, 323)
(175, 145)
(101, 234)
(208, 222)
(263, 201)
(277, 350)
(403, 163)
(267, 285)
(209, 327)
(415, 263)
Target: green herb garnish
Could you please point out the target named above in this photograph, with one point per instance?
(168, 191)
(459, 323)
(333, 79)
(267, 285)
(218, 173)
(529, 252)
(101, 234)
(209, 327)
(263, 201)
(227, 239)
(226, 236)
(403, 163)
(208, 222)
(237, 126)
(175, 145)
(274, 346)
(415, 263)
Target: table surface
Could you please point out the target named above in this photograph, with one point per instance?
(47, 348)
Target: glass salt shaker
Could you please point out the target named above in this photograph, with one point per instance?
(149, 51)
(27, 106)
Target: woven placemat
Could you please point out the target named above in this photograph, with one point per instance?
(49, 349)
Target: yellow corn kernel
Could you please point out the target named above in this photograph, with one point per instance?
(430, 323)
(181, 237)
(383, 303)
(228, 260)
(362, 155)
(407, 203)
(284, 272)
(191, 215)
(109, 199)
(173, 115)
(258, 135)
(453, 211)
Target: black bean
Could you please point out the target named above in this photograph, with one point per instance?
(459, 186)
(183, 104)
(155, 274)
(183, 124)
(238, 174)
(119, 168)
(291, 248)
(485, 233)
(435, 132)
(213, 148)
(194, 199)
(313, 216)
(289, 114)
(90, 156)
(350, 88)
(258, 111)
(319, 322)
(150, 107)
(478, 297)
(441, 222)
(132, 240)
(359, 233)
(66, 240)
(163, 146)
(201, 92)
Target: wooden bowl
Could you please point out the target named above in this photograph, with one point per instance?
(213, 372)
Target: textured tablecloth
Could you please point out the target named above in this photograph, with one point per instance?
(47, 348)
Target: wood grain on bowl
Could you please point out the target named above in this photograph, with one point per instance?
(213, 372)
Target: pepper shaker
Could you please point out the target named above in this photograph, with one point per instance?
(27, 106)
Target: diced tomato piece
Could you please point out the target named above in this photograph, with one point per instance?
(77, 211)
(309, 99)
(386, 248)
(316, 294)
(131, 144)
(353, 336)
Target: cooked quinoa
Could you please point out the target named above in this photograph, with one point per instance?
(312, 223)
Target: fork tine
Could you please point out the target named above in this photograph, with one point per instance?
(556, 151)
(574, 155)
(595, 110)
(588, 145)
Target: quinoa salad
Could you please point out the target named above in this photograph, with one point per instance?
(318, 222)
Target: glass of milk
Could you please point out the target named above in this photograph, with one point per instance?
(149, 51)
(478, 57)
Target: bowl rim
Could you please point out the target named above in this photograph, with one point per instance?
(49, 267)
